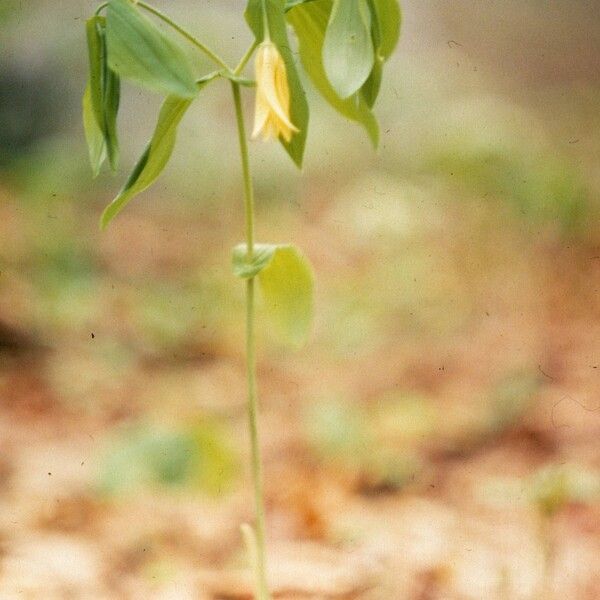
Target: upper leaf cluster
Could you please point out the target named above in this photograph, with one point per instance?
(342, 44)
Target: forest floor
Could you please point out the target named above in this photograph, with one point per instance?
(400, 462)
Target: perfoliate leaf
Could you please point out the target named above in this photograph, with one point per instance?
(104, 94)
(385, 30)
(299, 114)
(243, 81)
(93, 133)
(94, 28)
(309, 21)
(154, 158)
(112, 97)
(348, 53)
(286, 280)
(287, 287)
(370, 89)
(291, 3)
(200, 83)
(389, 19)
(139, 51)
(261, 256)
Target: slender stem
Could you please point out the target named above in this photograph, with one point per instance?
(186, 34)
(101, 8)
(266, 28)
(244, 61)
(262, 592)
(248, 188)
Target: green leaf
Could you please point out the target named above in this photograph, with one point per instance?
(261, 256)
(154, 158)
(112, 96)
(388, 16)
(287, 288)
(309, 21)
(93, 133)
(94, 28)
(299, 113)
(291, 3)
(139, 51)
(104, 89)
(286, 280)
(348, 53)
(370, 90)
(243, 81)
(385, 31)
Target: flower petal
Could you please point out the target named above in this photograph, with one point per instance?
(261, 114)
(271, 118)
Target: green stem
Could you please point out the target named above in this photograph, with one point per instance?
(186, 34)
(266, 29)
(244, 61)
(101, 8)
(248, 188)
(262, 592)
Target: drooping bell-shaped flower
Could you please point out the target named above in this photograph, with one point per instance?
(272, 113)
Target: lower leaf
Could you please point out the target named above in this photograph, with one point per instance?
(287, 284)
(246, 267)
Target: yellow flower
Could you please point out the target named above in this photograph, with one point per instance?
(272, 115)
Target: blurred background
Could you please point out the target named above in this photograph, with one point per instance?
(439, 435)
